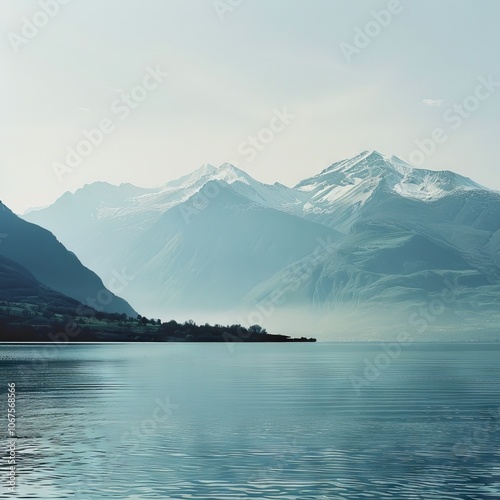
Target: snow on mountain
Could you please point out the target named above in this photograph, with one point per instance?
(333, 197)
(192, 178)
(212, 262)
(176, 192)
(275, 196)
(147, 233)
(374, 168)
(405, 232)
(337, 194)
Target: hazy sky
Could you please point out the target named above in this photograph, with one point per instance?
(232, 70)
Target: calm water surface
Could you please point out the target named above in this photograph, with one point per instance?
(270, 421)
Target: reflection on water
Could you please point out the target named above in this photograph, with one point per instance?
(265, 421)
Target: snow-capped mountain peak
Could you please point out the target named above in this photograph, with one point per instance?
(217, 238)
(229, 173)
(332, 197)
(373, 168)
(366, 164)
(188, 180)
(340, 191)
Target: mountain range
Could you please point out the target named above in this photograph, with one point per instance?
(368, 245)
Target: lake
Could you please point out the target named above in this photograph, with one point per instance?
(271, 421)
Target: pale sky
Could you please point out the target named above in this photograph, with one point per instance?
(229, 76)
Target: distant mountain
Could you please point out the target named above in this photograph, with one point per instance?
(367, 234)
(116, 217)
(31, 312)
(228, 247)
(50, 263)
(202, 241)
(348, 189)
